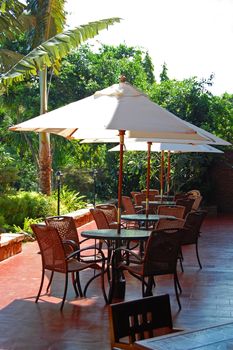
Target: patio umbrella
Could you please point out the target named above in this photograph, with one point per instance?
(120, 107)
(167, 147)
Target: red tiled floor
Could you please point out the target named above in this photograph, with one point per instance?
(207, 297)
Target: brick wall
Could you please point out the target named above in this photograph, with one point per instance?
(222, 180)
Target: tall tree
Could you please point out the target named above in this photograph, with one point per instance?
(50, 44)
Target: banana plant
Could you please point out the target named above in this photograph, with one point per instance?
(50, 44)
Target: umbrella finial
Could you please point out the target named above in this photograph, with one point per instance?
(122, 79)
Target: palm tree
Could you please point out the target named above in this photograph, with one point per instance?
(49, 43)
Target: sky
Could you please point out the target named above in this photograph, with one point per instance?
(193, 37)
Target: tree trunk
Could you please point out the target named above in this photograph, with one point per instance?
(45, 158)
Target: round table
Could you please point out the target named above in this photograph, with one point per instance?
(117, 287)
(146, 218)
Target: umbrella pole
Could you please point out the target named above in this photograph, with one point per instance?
(148, 177)
(161, 174)
(120, 176)
(168, 171)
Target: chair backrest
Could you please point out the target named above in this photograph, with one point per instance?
(128, 206)
(162, 250)
(109, 210)
(139, 198)
(51, 247)
(194, 193)
(173, 210)
(197, 203)
(192, 226)
(133, 193)
(100, 218)
(187, 203)
(140, 319)
(153, 192)
(65, 226)
(169, 223)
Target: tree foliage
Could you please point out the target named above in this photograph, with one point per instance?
(82, 73)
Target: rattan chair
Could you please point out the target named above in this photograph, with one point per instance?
(192, 227)
(67, 230)
(174, 210)
(153, 192)
(169, 223)
(135, 320)
(55, 259)
(110, 212)
(127, 204)
(187, 203)
(196, 203)
(161, 255)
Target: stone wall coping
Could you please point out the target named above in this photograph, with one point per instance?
(79, 213)
(7, 238)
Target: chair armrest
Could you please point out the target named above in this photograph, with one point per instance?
(129, 251)
(70, 243)
(77, 252)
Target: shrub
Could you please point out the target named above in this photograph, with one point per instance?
(14, 208)
(18, 211)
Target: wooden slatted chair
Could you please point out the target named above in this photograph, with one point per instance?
(140, 319)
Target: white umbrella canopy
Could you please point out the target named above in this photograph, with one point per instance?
(167, 147)
(173, 147)
(119, 107)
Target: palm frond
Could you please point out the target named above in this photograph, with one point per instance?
(53, 50)
(8, 58)
(50, 19)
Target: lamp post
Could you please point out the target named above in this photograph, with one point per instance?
(94, 179)
(58, 178)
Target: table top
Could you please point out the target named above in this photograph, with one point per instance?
(143, 217)
(159, 202)
(212, 338)
(112, 234)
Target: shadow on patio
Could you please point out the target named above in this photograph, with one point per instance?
(206, 298)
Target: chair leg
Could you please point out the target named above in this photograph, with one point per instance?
(79, 284)
(65, 291)
(149, 286)
(198, 259)
(89, 282)
(181, 264)
(50, 281)
(176, 283)
(41, 285)
(75, 285)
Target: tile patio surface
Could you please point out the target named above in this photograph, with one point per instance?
(207, 297)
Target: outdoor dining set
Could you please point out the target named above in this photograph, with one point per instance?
(143, 236)
(148, 244)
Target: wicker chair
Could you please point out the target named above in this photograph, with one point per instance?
(187, 203)
(161, 255)
(169, 223)
(67, 230)
(127, 204)
(140, 319)
(174, 210)
(110, 212)
(55, 259)
(153, 192)
(192, 227)
(196, 203)
(133, 194)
